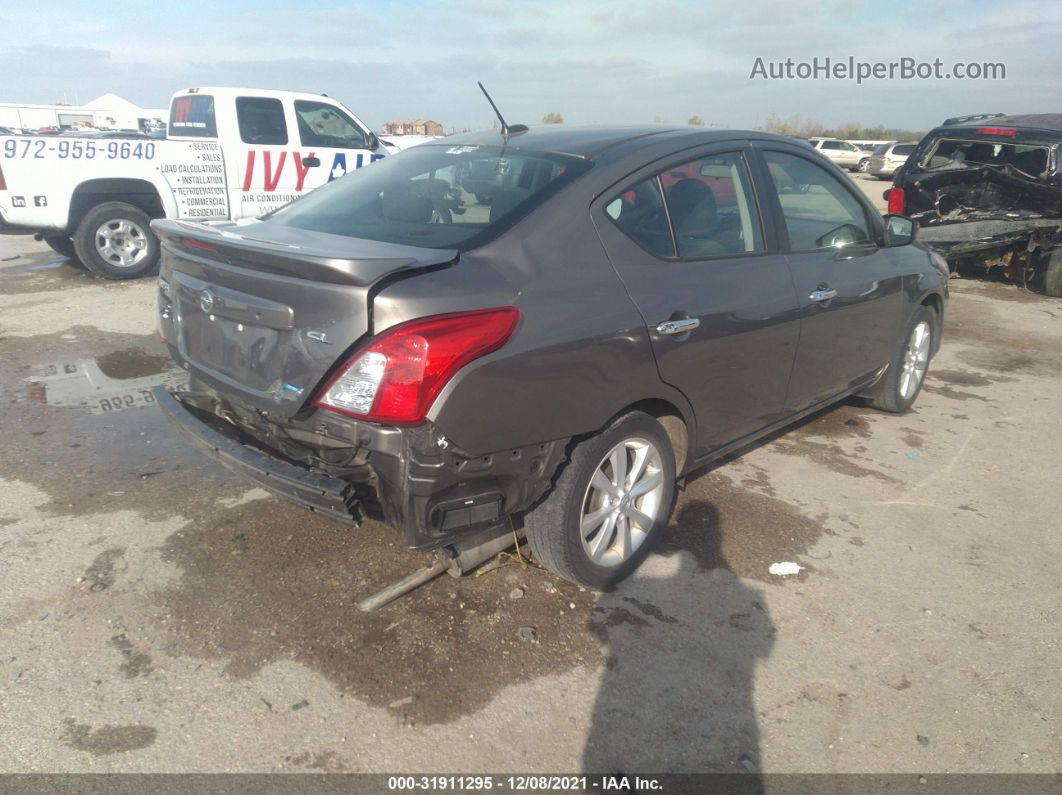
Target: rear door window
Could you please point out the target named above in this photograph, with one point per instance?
(639, 213)
(324, 125)
(261, 121)
(711, 206)
(819, 211)
(192, 116)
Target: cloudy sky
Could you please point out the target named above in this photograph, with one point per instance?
(591, 60)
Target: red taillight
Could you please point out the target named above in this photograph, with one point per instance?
(397, 376)
(1008, 132)
(191, 242)
(897, 200)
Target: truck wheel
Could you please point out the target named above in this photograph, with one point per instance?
(899, 387)
(1053, 274)
(608, 505)
(114, 240)
(63, 246)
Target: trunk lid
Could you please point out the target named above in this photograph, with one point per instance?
(262, 312)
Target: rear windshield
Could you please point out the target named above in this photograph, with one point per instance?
(903, 149)
(435, 196)
(193, 117)
(945, 153)
(880, 150)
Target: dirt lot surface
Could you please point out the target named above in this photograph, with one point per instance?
(159, 614)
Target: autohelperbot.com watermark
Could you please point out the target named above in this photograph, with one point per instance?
(851, 68)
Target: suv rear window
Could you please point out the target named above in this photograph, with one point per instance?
(435, 196)
(903, 149)
(193, 117)
(951, 153)
(881, 150)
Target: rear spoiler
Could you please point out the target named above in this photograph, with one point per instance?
(975, 117)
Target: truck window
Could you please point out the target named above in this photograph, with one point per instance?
(321, 124)
(949, 153)
(193, 117)
(261, 121)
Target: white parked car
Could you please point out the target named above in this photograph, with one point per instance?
(842, 153)
(889, 157)
(229, 153)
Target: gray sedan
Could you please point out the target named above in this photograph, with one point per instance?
(549, 328)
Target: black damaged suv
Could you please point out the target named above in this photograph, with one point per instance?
(987, 193)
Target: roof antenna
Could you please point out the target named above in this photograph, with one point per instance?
(506, 130)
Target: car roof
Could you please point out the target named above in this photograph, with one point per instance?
(1038, 121)
(588, 142)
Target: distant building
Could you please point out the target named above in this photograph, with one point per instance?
(413, 127)
(109, 112)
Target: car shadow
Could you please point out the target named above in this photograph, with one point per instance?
(683, 637)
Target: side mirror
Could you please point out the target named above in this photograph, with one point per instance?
(899, 230)
(311, 162)
(374, 142)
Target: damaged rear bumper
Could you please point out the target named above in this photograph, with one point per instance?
(412, 478)
(321, 494)
(969, 237)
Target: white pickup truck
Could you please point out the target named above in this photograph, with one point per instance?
(229, 153)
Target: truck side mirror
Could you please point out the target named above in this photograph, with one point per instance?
(374, 142)
(899, 230)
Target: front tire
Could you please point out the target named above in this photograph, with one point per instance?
(608, 505)
(898, 389)
(114, 240)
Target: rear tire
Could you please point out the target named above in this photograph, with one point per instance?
(592, 531)
(1053, 275)
(114, 240)
(898, 389)
(63, 246)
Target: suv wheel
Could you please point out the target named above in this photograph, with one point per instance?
(114, 240)
(609, 503)
(864, 164)
(899, 387)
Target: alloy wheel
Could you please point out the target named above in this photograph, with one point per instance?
(121, 243)
(915, 360)
(622, 501)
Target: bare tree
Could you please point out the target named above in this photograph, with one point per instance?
(553, 118)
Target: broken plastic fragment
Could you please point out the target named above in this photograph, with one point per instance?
(785, 568)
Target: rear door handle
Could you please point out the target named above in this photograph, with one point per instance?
(677, 326)
(823, 294)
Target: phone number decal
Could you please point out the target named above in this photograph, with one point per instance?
(39, 149)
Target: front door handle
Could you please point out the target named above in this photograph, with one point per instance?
(823, 294)
(677, 326)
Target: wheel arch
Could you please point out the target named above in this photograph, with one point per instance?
(675, 424)
(935, 302)
(141, 193)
